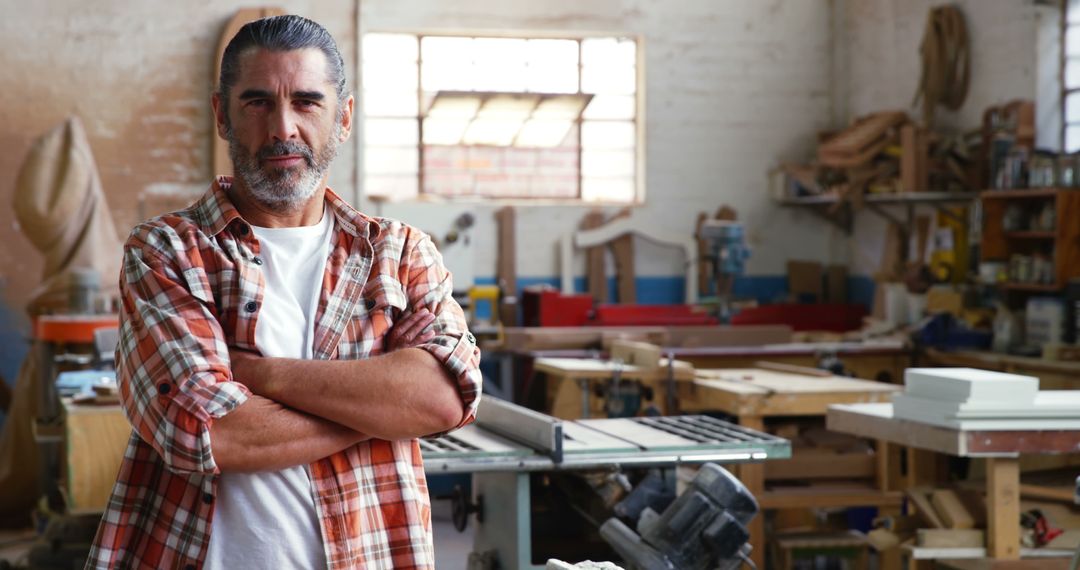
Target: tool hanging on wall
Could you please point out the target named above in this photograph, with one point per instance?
(946, 62)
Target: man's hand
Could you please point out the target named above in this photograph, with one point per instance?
(412, 330)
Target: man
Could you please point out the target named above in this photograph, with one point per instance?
(275, 423)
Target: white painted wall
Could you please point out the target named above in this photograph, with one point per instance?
(732, 86)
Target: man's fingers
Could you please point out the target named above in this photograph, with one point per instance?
(415, 323)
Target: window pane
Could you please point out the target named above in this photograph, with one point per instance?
(390, 132)
(1072, 138)
(1072, 12)
(448, 131)
(608, 134)
(389, 76)
(395, 187)
(499, 64)
(390, 160)
(447, 76)
(606, 163)
(552, 79)
(446, 49)
(1072, 72)
(611, 107)
(609, 51)
(397, 48)
(608, 79)
(607, 189)
(1072, 108)
(552, 52)
(390, 103)
(543, 133)
(1072, 40)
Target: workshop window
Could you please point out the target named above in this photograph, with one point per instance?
(1071, 76)
(501, 118)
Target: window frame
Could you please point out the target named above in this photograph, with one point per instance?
(639, 120)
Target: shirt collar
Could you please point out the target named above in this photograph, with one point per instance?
(214, 212)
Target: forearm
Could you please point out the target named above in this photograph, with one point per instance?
(263, 435)
(401, 395)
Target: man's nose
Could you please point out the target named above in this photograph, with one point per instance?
(283, 124)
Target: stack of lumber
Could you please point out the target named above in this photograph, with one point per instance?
(972, 399)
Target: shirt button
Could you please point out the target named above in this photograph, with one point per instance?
(163, 388)
(251, 306)
(471, 338)
(256, 260)
(207, 498)
(370, 304)
(244, 230)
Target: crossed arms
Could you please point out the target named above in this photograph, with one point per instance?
(206, 407)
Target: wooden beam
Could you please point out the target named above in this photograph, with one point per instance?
(1003, 507)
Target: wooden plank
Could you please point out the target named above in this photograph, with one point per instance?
(506, 258)
(640, 354)
(816, 497)
(806, 464)
(221, 163)
(1003, 507)
(95, 438)
(919, 497)
(805, 281)
(951, 510)
(595, 273)
(950, 538)
(792, 369)
(752, 476)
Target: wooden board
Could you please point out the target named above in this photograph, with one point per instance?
(810, 463)
(595, 273)
(951, 510)
(586, 369)
(506, 260)
(950, 538)
(95, 438)
(221, 163)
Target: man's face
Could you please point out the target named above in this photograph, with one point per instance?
(283, 123)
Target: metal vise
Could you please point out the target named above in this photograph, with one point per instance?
(704, 529)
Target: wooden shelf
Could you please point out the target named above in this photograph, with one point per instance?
(823, 497)
(1041, 234)
(1029, 193)
(890, 198)
(1037, 287)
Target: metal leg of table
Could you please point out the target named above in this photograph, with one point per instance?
(1003, 507)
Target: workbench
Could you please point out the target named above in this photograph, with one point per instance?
(572, 381)
(752, 395)
(1000, 449)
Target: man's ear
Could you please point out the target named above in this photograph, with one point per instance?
(346, 119)
(220, 111)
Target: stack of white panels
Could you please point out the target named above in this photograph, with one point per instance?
(971, 399)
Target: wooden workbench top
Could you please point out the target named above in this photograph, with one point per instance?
(877, 421)
(594, 369)
(766, 382)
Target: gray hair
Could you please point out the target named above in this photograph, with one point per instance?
(281, 33)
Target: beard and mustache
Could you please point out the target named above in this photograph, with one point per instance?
(283, 190)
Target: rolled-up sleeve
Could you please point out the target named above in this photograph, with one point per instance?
(430, 286)
(172, 360)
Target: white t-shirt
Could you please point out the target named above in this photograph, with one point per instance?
(268, 519)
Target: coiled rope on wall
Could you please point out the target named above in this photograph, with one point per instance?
(946, 62)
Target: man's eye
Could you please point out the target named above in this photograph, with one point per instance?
(306, 103)
(258, 103)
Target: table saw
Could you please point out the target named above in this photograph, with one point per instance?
(507, 443)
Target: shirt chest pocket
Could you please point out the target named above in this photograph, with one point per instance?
(381, 305)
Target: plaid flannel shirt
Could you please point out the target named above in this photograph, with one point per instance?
(191, 288)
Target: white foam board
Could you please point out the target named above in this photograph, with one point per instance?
(1047, 404)
(969, 384)
(1001, 424)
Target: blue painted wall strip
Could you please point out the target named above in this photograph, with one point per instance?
(669, 290)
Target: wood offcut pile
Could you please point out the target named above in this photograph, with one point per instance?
(885, 152)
